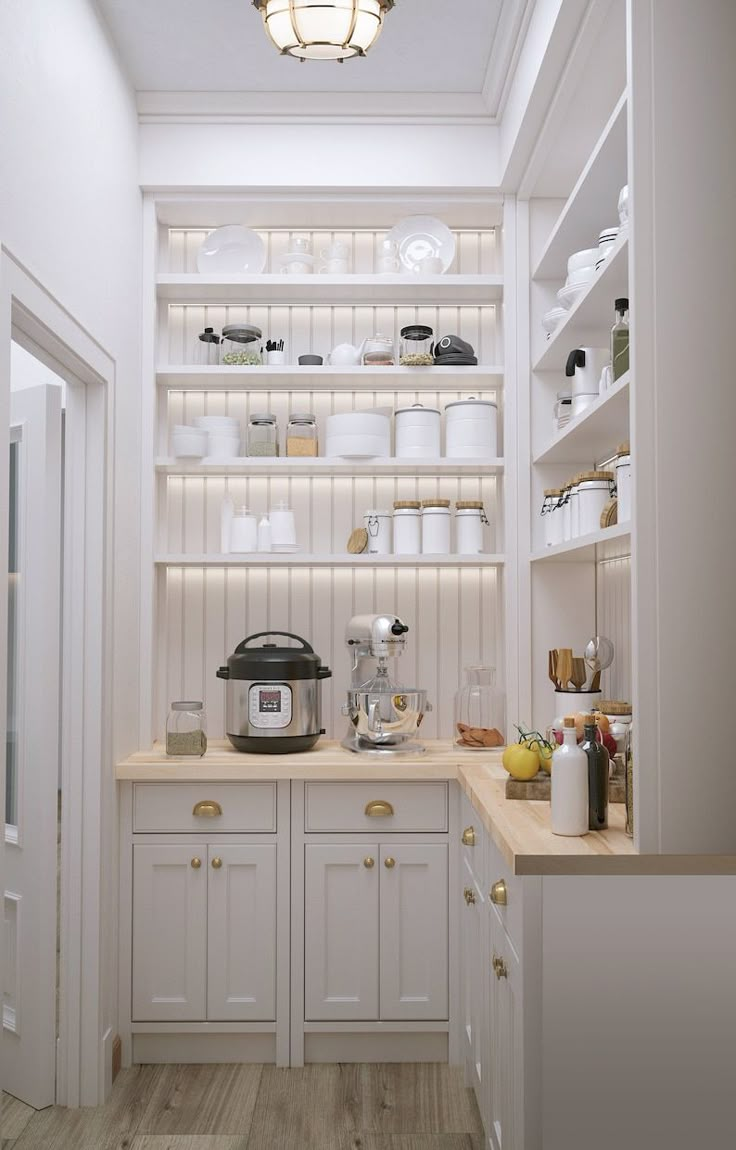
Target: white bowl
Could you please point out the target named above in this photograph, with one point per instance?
(358, 423)
(223, 446)
(190, 443)
(570, 293)
(581, 275)
(608, 236)
(552, 318)
(365, 446)
(581, 259)
(623, 205)
(217, 423)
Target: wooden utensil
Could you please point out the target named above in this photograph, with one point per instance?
(564, 666)
(552, 667)
(579, 672)
(596, 683)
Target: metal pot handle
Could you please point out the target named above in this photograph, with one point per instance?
(241, 647)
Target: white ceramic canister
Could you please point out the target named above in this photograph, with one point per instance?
(378, 525)
(243, 531)
(283, 527)
(551, 517)
(435, 527)
(407, 527)
(470, 519)
(471, 429)
(418, 432)
(574, 703)
(623, 482)
(574, 509)
(594, 491)
(564, 512)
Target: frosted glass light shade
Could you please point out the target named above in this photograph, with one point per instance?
(323, 29)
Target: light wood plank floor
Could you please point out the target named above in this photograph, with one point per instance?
(240, 1107)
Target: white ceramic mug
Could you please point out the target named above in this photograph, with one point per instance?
(431, 266)
(387, 264)
(296, 268)
(336, 251)
(336, 267)
(301, 246)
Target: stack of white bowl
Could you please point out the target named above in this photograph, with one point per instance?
(188, 442)
(358, 434)
(580, 271)
(223, 435)
(606, 243)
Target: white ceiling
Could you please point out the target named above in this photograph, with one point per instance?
(427, 46)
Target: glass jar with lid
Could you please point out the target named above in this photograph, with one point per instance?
(208, 348)
(185, 729)
(417, 346)
(480, 710)
(240, 346)
(263, 434)
(301, 434)
(378, 351)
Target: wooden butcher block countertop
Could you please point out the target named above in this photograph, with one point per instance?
(519, 828)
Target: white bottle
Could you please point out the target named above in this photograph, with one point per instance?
(569, 785)
(264, 534)
(244, 531)
(226, 518)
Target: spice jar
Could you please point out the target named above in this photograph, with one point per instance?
(623, 482)
(263, 435)
(379, 351)
(185, 729)
(417, 346)
(470, 519)
(593, 492)
(301, 434)
(552, 516)
(241, 345)
(435, 527)
(407, 527)
(208, 348)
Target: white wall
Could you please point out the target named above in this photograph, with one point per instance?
(70, 213)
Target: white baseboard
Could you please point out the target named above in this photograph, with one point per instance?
(416, 1047)
(193, 1048)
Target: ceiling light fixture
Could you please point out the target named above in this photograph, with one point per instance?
(323, 29)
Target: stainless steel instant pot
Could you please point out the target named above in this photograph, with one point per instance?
(273, 695)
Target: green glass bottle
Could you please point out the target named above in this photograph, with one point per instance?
(598, 769)
(620, 340)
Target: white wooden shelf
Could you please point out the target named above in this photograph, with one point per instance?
(608, 543)
(291, 377)
(596, 433)
(593, 203)
(268, 465)
(592, 314)
(303, 559)
(350, 290)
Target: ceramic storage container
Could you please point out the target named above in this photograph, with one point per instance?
(418, 432)
(435, 526)
(378, 526)
(470, 519)
(623, 482)
(552, 517)
(593, 492)
(471, 429)
(407, 527)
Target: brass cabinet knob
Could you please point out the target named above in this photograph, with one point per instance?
(469, 837)
(217, 863)
(379, 809)
(207, 809)
(500, 968)
(499, 894)
(390, 863)
(196, 863)
(469, 896)
(369, 863)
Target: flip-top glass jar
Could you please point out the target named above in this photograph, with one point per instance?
(480, 710)
(417, 347)
(263, 434)
(208, 348)
(185, 729)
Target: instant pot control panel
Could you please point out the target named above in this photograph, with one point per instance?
(269, 705)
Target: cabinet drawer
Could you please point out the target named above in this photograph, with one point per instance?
(375, 807)
(232, 807)
(511, 915)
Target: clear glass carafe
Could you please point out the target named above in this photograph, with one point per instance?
(480, 711)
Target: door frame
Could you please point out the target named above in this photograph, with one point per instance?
(35, 319)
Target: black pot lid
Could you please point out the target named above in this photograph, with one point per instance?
(273, 663)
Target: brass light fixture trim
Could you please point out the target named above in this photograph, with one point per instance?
(323, 29)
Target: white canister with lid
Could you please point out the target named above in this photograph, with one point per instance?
(594, 491)
(418, 432)
(435, 527)
(623, 483)
(471, 429)
(564, 512)
(470, 519)
(243, 531)
(552, 517)
(407, 527)
(574, 509)
(378, 525)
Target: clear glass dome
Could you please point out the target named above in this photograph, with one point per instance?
(480, 711)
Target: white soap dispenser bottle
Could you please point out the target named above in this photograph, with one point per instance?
(569, 784)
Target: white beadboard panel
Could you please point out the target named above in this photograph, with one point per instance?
(613, 610)
(477, 251)
(454, 616)
(318, 329)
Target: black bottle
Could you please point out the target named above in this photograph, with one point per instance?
(597, 776)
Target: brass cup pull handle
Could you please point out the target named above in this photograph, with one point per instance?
(469, 837)
(369, 863)
(207, 809)
(196, 863)
(389, 863)
(499, 893)
(216, 863)
(500, 968)
(379, 809)
(469, 896)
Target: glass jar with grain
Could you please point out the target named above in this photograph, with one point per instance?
(185, 729)
(263, 434)
(301, 434)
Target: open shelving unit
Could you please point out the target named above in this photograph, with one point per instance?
(300, 559)
(323, 465)
(358, 290)
(591, 434)
(327, 377)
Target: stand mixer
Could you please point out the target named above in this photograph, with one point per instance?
(383, 716)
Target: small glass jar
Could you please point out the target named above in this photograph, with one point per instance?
(480, 711)
(263, 434)
(240, 345)
(208, 348)
(417, 346)
(379, 351)
(301, 434)
(185, 729)
(618, 714)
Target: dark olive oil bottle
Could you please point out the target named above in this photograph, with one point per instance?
(598, 767)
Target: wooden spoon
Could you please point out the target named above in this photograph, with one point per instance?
(579, 673)
(552, 667)
(564, 666)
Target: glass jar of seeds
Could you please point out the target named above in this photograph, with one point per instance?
(301, 434)
(240, 345)
(417, 347)
(263, 434)
(185, 729)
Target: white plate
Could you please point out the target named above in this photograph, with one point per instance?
(232, 250)
(297, 258)
(552, 318)
(285, 548)
(568, 295)
(421, 236)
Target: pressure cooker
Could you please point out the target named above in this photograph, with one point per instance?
(273, 695)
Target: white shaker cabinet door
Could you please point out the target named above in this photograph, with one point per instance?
(341, 932)
(473, 952)
(241, 965)
(414, 935)
(169, 933)
(506, 1041)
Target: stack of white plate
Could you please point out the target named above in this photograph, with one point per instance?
(606, 243)
(223, 435)
(580, 271)
(552, 318)
(358, 435)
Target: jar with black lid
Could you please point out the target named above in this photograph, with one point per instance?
(417, 346)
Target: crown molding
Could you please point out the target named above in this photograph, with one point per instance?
(429, 108)
(511, 30)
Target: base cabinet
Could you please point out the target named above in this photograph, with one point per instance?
(505, 1047)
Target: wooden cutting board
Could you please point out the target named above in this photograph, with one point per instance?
(540, 788)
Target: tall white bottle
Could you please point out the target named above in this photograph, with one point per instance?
(569, 785)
